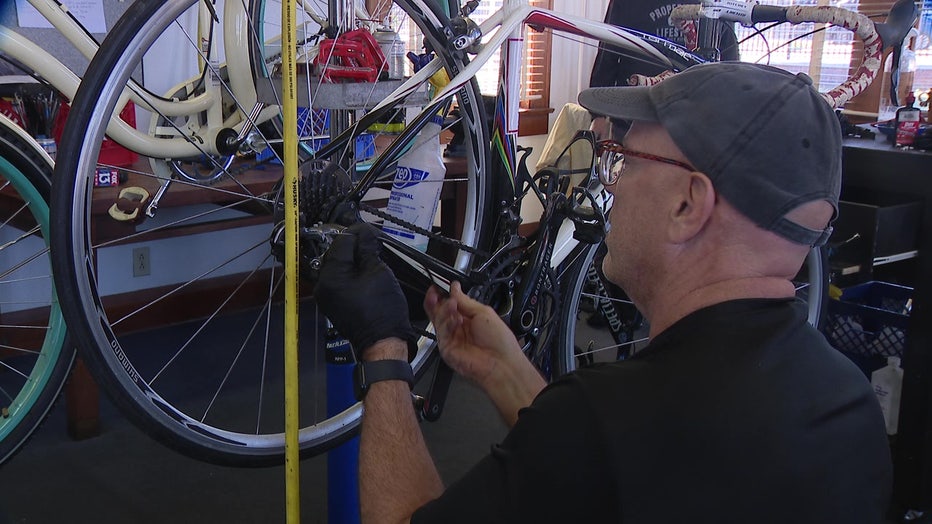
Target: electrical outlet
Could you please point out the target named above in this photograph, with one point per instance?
(141, 263)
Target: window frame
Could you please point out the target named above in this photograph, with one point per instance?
(535, 108)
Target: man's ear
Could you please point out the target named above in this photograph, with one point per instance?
(692, 207)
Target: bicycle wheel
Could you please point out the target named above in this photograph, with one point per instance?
(603, 325)
(189, 343)
(34, 355)
(812, 284)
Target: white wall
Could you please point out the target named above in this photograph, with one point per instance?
(571, 63)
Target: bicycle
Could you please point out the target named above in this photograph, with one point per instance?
(36, 354)
(181, 397)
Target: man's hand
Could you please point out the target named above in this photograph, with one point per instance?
(471, 335)
(477, 344)
(359, 293)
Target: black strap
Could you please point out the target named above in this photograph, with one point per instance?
(368, 373)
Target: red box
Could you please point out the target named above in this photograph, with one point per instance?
(111, 153)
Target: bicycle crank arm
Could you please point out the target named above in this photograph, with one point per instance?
(526, 317)
(154, 203)
(436, 395)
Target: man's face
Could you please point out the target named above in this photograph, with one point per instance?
(641, 208)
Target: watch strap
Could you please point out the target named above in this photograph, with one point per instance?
(368, 373)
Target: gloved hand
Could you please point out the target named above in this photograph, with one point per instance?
(359, 293)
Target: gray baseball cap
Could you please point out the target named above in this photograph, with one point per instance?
(765, 137)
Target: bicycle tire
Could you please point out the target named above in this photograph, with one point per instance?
(35, 355)
(180, 395)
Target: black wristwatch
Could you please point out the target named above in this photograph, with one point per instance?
(368, 373)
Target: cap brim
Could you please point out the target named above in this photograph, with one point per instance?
(626, 103)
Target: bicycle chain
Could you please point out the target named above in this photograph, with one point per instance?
(385, 216)
(429, 234)
(227, 173)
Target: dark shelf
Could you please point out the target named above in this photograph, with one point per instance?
(871, 167)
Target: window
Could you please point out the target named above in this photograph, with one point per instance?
(535, 73)
(917, 74)
(823, 55)
(535, 85)
(828, 56)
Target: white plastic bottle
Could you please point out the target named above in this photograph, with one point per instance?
(887, 383)
(416, 189)
(394, 51)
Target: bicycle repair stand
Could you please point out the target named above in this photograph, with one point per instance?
(343, 460)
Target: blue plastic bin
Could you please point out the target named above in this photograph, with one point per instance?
(317, 122)
(868, 323)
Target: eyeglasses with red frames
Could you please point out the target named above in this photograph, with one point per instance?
(612, 155)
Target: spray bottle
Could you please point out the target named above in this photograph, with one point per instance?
(888, 383)
(416, 188)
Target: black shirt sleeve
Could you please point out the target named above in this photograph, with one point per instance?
(551, 467)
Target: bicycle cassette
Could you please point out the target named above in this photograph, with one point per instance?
(321, 185)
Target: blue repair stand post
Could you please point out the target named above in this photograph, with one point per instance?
(343, 460)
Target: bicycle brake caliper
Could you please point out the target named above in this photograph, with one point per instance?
(463, 33)
(589, 220)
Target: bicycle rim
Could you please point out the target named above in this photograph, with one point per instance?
(812, 284)
(211, 385)
(34, 355)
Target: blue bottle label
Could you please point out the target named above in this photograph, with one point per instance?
(408, 176)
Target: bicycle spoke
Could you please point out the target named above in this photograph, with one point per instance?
(28, 351)
(612, 347)
(239, 353)
(23, 263)
(190, 282)
(204, 326)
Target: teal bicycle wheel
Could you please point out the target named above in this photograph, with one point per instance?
(35, 356)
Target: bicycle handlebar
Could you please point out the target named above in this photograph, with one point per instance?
(747, 14)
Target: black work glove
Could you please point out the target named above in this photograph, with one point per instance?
(359, 293)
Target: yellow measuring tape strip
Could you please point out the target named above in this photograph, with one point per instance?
(290, 163)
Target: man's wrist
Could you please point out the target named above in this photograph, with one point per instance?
(370, 372)
(392, 348)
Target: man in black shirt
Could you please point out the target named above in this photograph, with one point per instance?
(651, 17)
(613, 68)
(737, 410)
